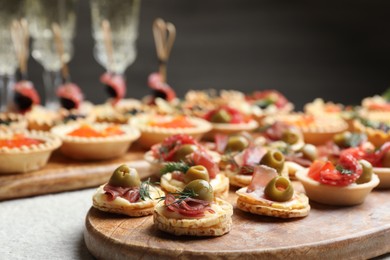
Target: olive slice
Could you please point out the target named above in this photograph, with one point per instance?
(124, 176)
(196, 172)
(237, 143)
(274, 159)
(279, 189)
(367, 172)
(202, 189)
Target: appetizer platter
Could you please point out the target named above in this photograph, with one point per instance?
(352, 232)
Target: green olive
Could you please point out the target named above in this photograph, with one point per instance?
(237, 143)
(279, 189)
(310, 152)
(367, 172)
(291, 136)
(386, 159)
(202, 189)
(342, 139)
(221, 116)
(274, 159)
(180, 155)
(124, 176)
(195, 173)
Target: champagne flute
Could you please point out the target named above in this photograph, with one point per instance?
(41, 14)
(9, 11)
(115, 31)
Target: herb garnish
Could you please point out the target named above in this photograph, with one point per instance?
(343, 170)
(175, 166)
(180, 196)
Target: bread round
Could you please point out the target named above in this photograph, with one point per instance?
(212, 224)
(122, 206)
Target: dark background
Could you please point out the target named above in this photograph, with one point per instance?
(338, 50)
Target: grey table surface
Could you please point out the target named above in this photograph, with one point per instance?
(45, 227)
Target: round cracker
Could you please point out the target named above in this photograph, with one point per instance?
(212, 224)
(122, 206)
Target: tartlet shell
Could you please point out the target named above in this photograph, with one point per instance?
(18, 122)
(95, 148)
(27, 158)
(384, 177)
(151, 135)
(353, 194)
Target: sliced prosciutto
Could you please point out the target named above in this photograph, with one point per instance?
(70, 96)
(115, 85)
(188, 207)
(167, 149)
(262, 175)
(25, 95)
(131, 194)
(160, 88)
(250, 156)
(202, 158)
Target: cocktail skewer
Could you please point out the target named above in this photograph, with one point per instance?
(115, 83)
(70, 94)
(24, 93)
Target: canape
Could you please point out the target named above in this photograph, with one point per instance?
(193, 212)
(155, 128)
(126, 194)
(24, 151)
(272, 195)
(95, 141)
(345, 184)
(12, 121)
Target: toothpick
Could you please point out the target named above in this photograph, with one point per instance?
(20, 39)
(60, 50)
(164, 36)
(107, 37)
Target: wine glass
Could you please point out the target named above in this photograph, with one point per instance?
(115, 50)
(42, 14)
(9, 11)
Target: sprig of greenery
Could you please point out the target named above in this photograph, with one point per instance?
(144, 189)
(343, 170)
(175, 166)
(180, 196)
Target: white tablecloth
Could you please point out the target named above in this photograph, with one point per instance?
(45, 227)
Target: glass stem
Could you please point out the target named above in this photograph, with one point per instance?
(51, 80)
(6, 92)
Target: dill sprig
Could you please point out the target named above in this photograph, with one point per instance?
(144, 189)
(175, 166)
(180, 196)
(343, 170)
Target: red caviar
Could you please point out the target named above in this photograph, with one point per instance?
(176, 122)
(88, 131)
(19, 140)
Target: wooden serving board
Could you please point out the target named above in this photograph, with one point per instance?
(357, 232)
(64, 174)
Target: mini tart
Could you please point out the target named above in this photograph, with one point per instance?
(42, 119)
(212, 224)
(316, 130)
(95, 148)
(293, 168)
(376, 136)
(229, 129)
(243, 180)
(352, 194)
(151, 135)
(384, 177)
(298, 206)
(220, 185)
(122, 206)
(321, 108)
(27, 158)
(260, 114)
(156, 164)
(12, 121)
